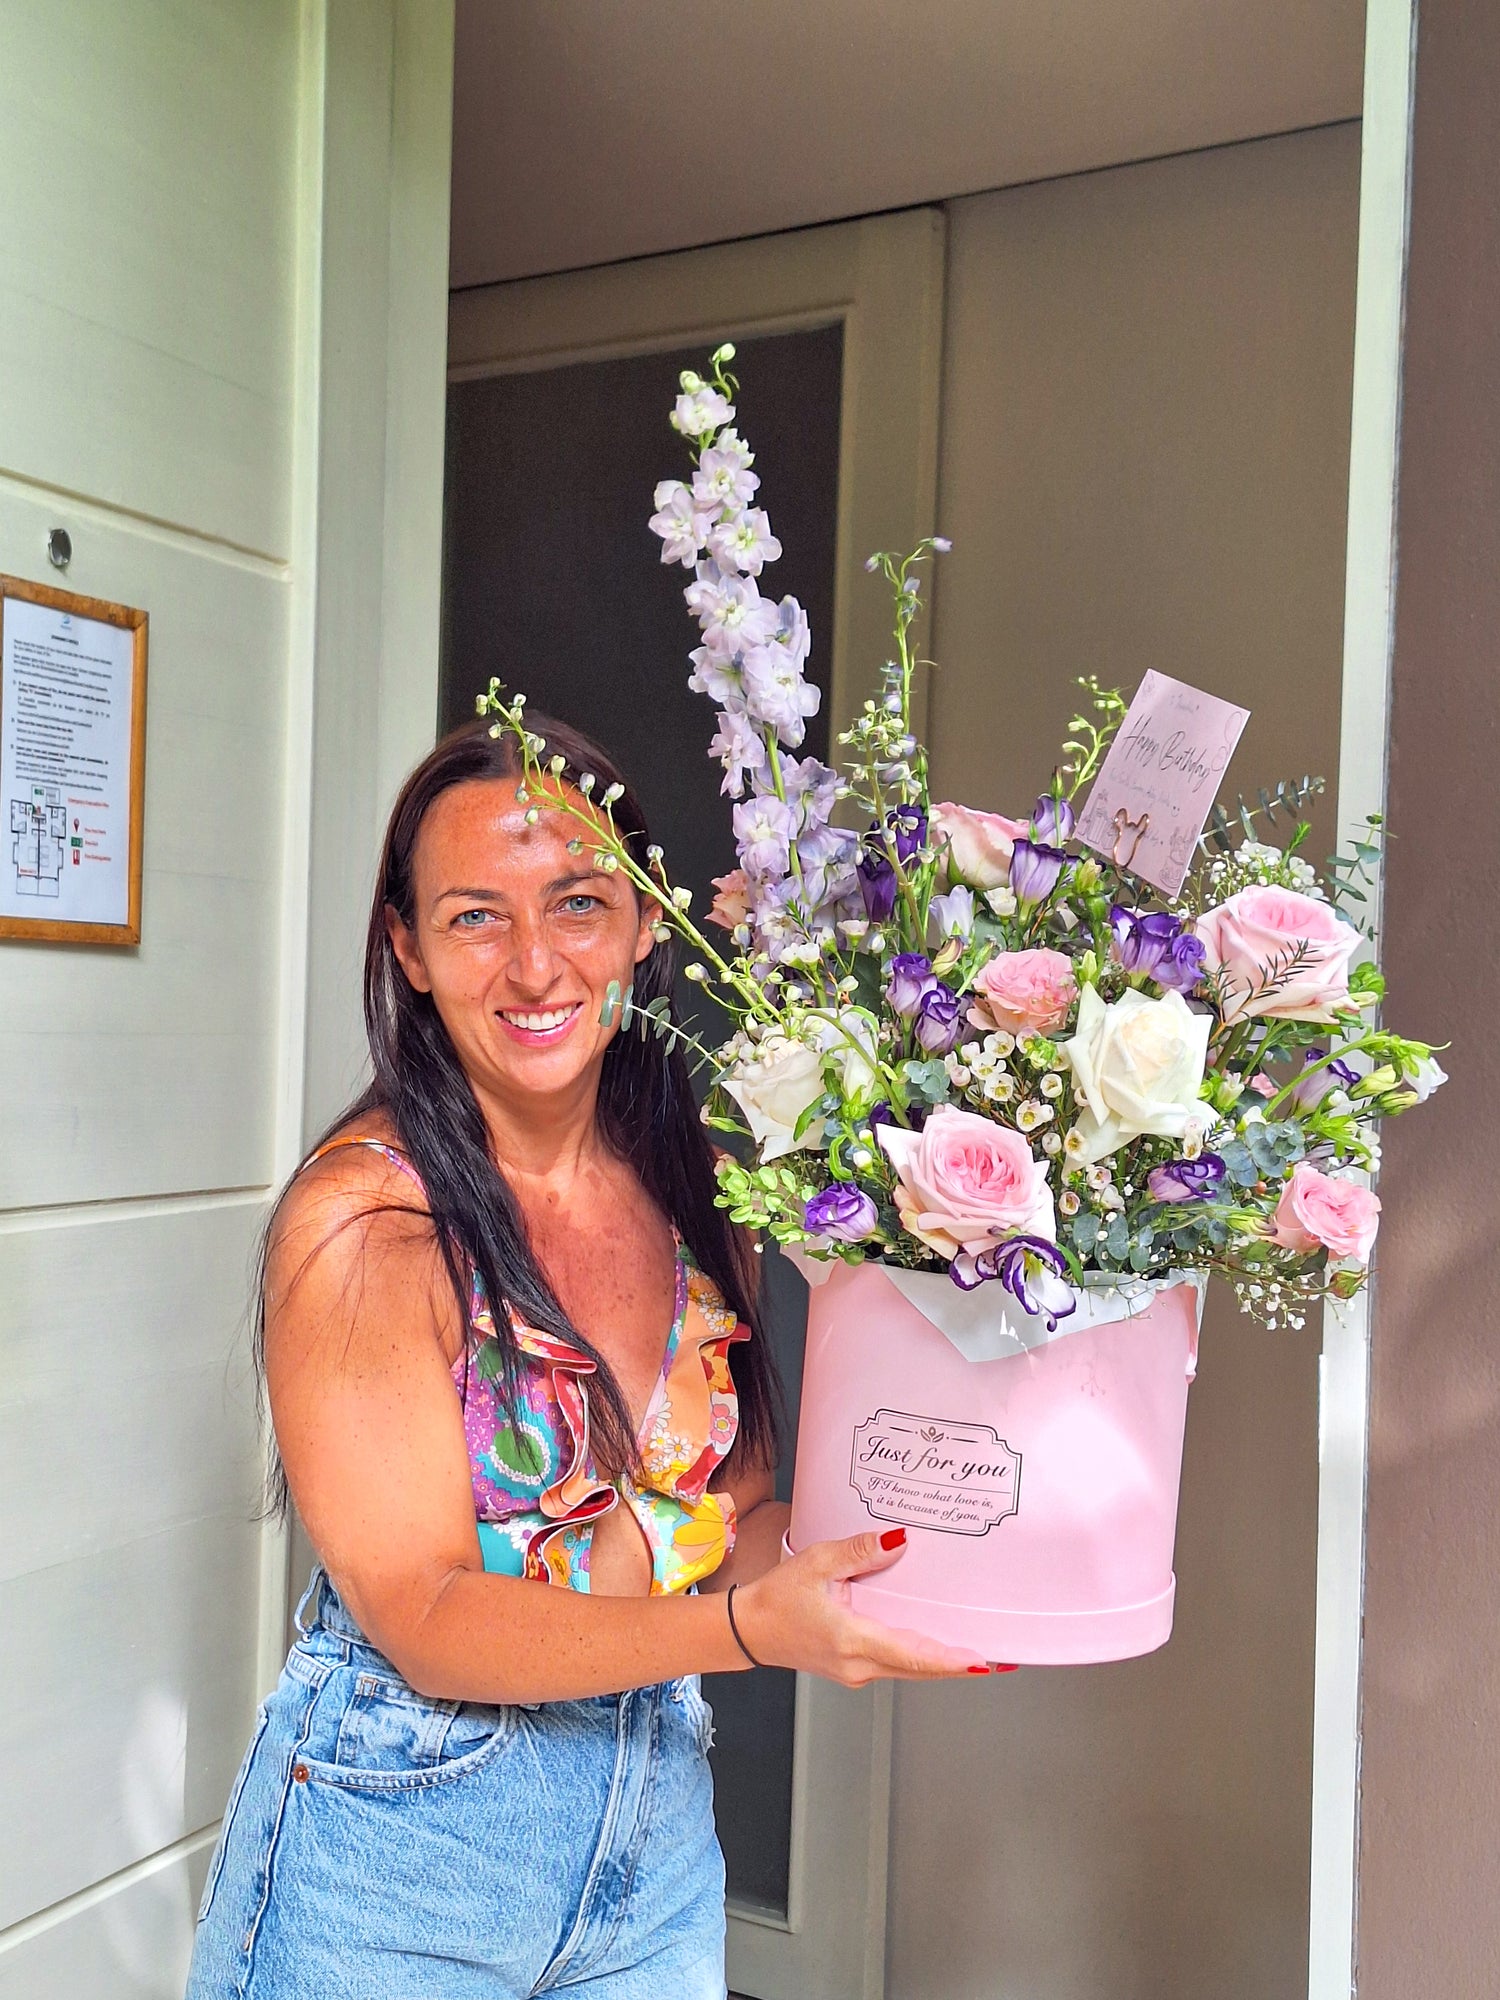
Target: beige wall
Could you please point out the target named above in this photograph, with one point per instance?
(1144, 463)
(781, 114)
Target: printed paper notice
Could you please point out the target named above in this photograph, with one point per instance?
(65, 697)
(1159, 780)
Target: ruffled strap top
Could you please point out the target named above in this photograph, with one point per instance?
(537, 1491)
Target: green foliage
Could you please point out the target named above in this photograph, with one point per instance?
(769, 1198)
(1289, 798)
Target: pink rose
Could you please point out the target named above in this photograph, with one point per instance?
(731, 906)
(964, 1183)
(1025, 992)
(979, 844)
(1318, 1213)
(1252, 941)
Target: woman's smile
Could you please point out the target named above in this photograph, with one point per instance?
(539, 1027)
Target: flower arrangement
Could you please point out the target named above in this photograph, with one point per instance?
(963, 1043)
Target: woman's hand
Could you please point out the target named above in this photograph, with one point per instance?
(798, 1615)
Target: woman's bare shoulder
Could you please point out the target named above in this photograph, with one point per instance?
(353, 1213)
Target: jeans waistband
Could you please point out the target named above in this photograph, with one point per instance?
(321, 1609)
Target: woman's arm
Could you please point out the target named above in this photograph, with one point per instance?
(371, 1434)
(760, 1522)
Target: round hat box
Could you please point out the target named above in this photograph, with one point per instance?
(1035, 1470)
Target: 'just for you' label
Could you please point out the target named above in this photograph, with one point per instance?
(931, 1472)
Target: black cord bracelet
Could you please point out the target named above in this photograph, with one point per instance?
(729, 1607)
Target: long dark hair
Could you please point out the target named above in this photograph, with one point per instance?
(646, 1113)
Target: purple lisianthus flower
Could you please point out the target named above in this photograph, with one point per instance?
(908, 977)
(1031, 1269)
(1314, 1084)
(877, 885)
(1181, 967)
(1143, 941)
(842, 1213)
(1052, 820)
(939, 1019)
(1034, 869)
(1187, 1180)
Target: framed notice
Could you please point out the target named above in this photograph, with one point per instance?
(72, 766)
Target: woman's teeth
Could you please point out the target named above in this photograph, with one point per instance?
(539, 1024)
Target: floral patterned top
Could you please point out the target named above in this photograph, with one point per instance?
(537, 1492)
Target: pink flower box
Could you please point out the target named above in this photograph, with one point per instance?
(1035, 1472)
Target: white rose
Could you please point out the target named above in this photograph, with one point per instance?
(774, 1090)
(849, 1037)
(1137, 1067)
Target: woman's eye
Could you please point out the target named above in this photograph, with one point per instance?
(470, 920)
(580, 905)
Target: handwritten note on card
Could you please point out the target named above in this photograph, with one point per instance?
(1160, 776)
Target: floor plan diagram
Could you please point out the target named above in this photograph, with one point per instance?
(39, 844)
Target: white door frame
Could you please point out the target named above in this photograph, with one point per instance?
(1369, 608)
(882, 279)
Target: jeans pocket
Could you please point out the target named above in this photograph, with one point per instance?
(216, 1865)
(390, 1738)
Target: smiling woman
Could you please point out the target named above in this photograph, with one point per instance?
(510, 1340)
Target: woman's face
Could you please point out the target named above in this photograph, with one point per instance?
(517, 941)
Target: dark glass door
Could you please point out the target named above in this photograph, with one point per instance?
(553, 583)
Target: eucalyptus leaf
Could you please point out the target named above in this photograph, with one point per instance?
(1085, 1232)
(1238, 1164)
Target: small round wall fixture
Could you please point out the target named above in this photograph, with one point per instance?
(59, 548)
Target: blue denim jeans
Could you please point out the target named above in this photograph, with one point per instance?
(380, 1846)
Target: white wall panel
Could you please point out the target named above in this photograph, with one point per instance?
(178, 1094)
(130, 1944)
(123, 1735)
(204, 201)
(147, 167)
(126, 1399)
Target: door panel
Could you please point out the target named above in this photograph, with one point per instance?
(559, 392)
(554, 583)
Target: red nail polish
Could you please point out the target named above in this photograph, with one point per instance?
(893, 1538)
(998, 1669)
(978, 1670)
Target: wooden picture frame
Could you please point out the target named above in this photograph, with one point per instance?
(70, 849)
